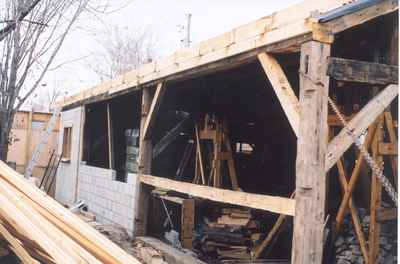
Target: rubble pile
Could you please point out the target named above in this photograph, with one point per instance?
(347, 247)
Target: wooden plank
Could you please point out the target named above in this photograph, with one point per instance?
(12, 214)
(22, 254)
(153, 111)
(282, 88)
(361, 71)
(359, 123)
(110, 139)
(311, 148)
(65, 243)
(98, 245)
(187, 220)
(269, 203)
(145, 160)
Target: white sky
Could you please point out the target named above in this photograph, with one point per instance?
(209, 18)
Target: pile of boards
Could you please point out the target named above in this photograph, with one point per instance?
(40, 230)
(232, 234)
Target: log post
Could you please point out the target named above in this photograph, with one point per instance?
(311, 148)
(145, 158)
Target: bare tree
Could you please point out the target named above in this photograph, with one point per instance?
(122, 50)
(35, 34)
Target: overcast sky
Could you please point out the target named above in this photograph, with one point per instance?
(161, 17)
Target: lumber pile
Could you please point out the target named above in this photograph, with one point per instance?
(40, 230)
(231, 234)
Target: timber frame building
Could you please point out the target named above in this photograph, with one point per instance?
(260, 93)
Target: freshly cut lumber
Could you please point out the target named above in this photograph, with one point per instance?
(70, 224)
(16, 247)
(270, 203)
(63, 241)
(359, 123)
(13, 215)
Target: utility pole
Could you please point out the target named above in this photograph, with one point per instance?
(186, 40)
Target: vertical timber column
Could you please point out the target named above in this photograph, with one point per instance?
(145, 157)
(311, 147)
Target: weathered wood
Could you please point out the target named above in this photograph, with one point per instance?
(362, 71)
(393, 139)
(282, 88)
(269, 203)
(153, 111)
(359, 17)
(199, 155)
(376, 198)
(187, 220)
(145, 159)
(354, 214)
(354, 178)
(274, 30)
(359, 123)
(311, 148)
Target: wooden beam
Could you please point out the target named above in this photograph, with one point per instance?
(268, 33)
(359, 17)
(153, 111)
(145, 159)
(282, 88)
(311, 148)
(359, 124)
(269, 203)
(110, 139)
(361, 71)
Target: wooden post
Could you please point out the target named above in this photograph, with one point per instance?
(376, 194)
(110, 139)
(187, 220)
(145, 158)
(311, 148)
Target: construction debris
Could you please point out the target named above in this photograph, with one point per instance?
(230, 234)
(39, 229)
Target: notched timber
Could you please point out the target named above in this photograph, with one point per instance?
(360, 71)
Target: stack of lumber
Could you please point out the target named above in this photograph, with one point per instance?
(40, 230)
(232, 235)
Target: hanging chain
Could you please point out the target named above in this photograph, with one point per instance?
(372, 164)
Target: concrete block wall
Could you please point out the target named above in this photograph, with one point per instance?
(112, 201)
